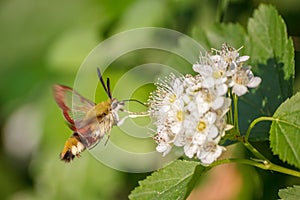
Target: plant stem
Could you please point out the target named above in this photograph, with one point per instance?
(244, 139)
(236, 114)
(230, 115)
(254, 122)
(255, 152)
(261, 162)
(261, 165)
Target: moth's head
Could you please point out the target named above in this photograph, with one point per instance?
(116, 105)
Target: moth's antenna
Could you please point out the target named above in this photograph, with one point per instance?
(102, 82)
(108, 88)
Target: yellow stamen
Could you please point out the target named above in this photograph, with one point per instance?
(201, 126)
(179, 116)
(172, 98)
(217, 74)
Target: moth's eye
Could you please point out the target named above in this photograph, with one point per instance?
(117, 104)
(114, 104)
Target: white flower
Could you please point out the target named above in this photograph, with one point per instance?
(176, 116)
(210, 152)
(162, 140)
(190, 111)
(203, 125)
(242, 79)
(164, 148)
(190, 150)
(187, 114)
(192, 85)
(166, 94)
(224, 69)
(212, 69)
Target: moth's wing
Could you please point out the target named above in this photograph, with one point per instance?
(91, 122)
(94, 131)
(73, 105)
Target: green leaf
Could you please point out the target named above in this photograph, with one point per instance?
(217, 34)
(272, 58)
(269, 39)
(285, 131)
(175, 181)
(290, 193)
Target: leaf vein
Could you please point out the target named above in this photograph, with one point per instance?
(290, 144)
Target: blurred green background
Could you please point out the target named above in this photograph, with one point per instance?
(45, 42)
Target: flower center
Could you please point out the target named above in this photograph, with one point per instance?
(241, 78)
(210, 146)
(217, 74)
(201, 126)
(179, 115)
(172, 98)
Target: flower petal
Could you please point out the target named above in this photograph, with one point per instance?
(254, 82)
(239, 90)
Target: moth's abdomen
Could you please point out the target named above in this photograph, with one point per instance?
(73, 147)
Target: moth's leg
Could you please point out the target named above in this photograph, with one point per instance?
(121, 121)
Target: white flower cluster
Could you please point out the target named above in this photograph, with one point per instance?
(190, 111)
(224, 68)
